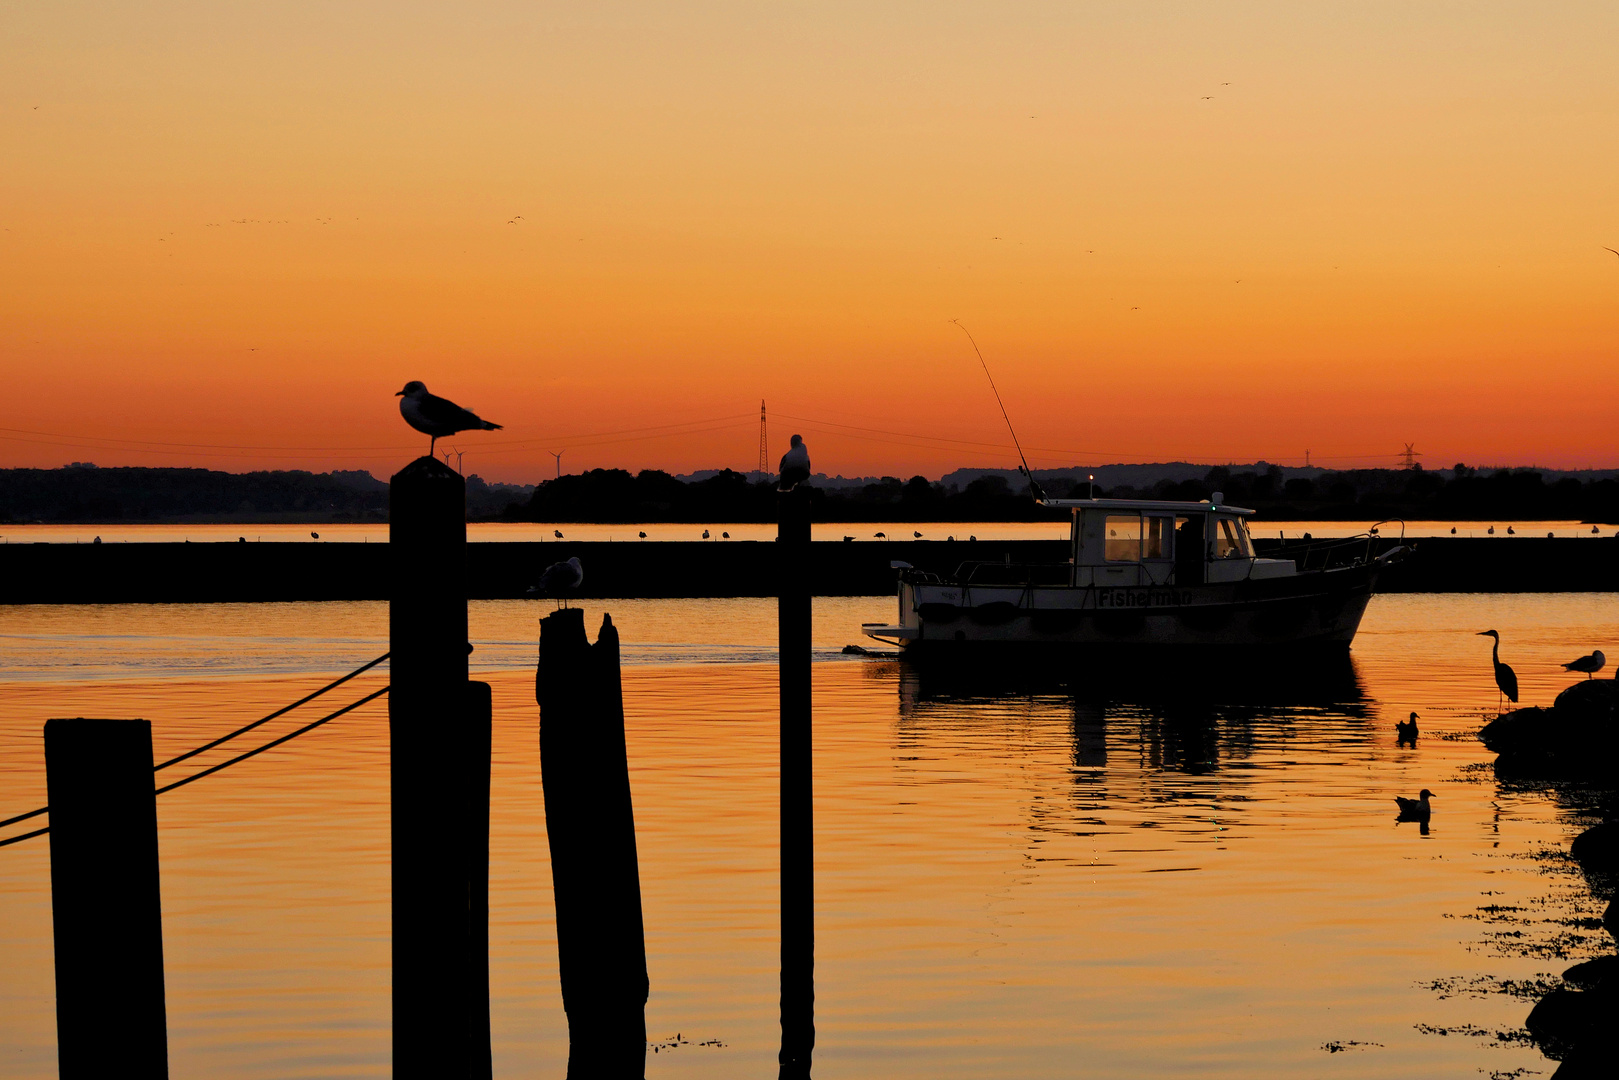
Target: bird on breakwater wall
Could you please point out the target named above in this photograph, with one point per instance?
(643, 536)
(1590, 665)
(916, 535)
(437, 417)
(1506, 680)
(557, 533)
(705, 534)
(1416, 809)
(1407, 730)
(1490, 531)
(795, 465)
(560, 579)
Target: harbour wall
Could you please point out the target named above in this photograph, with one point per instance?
(257, 572)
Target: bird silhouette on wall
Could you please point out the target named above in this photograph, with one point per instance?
(795, 465)
(437, 417)
(1589, 664)
(1506, 680)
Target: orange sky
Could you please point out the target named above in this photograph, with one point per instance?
(1216, 232)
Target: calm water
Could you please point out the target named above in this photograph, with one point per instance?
(1186, 881)
(377, 533)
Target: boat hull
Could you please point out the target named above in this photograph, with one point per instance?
(1319, 610)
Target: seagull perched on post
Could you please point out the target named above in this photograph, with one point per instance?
(437, 417)
(1588, 664)
(795, 465)
(559, 579)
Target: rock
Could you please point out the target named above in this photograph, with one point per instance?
(1577, 736)
(1597, 698)
(1610, 919)
(1590, 974)
(1597, 848)
(1562, 1019)
(1593, 1057)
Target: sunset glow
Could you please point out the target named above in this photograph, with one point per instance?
(1177, 231)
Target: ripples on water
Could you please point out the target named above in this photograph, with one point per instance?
(1183, 877)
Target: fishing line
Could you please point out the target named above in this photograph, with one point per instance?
(1034, 488)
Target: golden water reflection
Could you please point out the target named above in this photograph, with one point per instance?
(1189, 879)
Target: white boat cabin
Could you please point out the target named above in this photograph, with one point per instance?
(1135, 542)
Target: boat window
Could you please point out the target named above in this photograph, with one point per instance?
(1157, 540)
(1231, 540)
(1123, 538)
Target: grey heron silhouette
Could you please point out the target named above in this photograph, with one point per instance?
(1506, 680)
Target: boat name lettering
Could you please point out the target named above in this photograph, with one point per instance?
(1142, 598)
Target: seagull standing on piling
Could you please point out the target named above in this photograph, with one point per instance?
(560, 579)
(795, 465)
(437, 417)
(1588, 664)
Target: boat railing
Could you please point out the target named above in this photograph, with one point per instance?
(1001, 573)
(1339, 551)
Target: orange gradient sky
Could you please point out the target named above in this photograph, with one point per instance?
(1207, 232)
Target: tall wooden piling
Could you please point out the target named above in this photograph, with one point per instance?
(797, 787)
(105, 904)
(438, 726)
(590, 823)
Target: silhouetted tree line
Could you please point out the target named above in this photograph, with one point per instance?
(88, 494)
(614, 495)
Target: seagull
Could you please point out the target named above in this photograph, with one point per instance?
(559, 579)
(917, 535)
(1407, 730)
(879, 536)
(1490, 531)
(315, 535)
(725, 536)
(848, 539)
(1595, 531)
(1588, 664)
(643, 536)
(1510, 532)
(557, 533)
(705, 534)
(1416, 809)
(795, 465)
(1506, 680)
(1453, 530)
(437, 417)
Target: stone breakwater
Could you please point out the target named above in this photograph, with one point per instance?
(219, 572)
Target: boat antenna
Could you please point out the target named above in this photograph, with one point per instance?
(1034, 488)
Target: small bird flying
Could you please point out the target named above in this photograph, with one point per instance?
(1604, 246)
(437, 417)
(795, 465)
(1506, 680)
(560, 579)
(1589, 664)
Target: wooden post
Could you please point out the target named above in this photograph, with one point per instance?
(590, 823)
(797, 787)
(440, 868)
(479, 748)
(105, 905)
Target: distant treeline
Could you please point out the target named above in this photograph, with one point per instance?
(613, 495)
(91, 495)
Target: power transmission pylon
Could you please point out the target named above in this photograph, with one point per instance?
(764, 453)
(1409, 456)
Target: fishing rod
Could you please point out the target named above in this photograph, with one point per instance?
(1034, 488)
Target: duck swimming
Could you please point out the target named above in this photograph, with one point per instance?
(1416, 809)
(1407, 730)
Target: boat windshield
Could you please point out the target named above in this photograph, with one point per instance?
(1231, 539)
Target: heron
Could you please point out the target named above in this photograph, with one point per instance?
(1506, 680)
(1416, 809)
(1407, 730)
(559, 579)
(1589, 664)
(437, 417)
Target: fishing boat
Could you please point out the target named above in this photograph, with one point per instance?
(1141, 575)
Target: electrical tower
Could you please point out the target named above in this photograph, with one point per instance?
(764, 452)
(1409, 456)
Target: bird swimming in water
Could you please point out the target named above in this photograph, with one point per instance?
(1506, 680)
(1588, 664)
(559, 579)
(1416, 809)
(795, 465)
(1407, 730)
(437, 417)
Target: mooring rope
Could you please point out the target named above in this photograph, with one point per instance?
(227, 738)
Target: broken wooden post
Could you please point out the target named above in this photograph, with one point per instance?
(797, 787)
(105, 905)
(437, 724)
(590, 823)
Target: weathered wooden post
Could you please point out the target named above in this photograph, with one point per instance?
(105, 906)
(590, 823)
(797, 787)
(438, 725)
